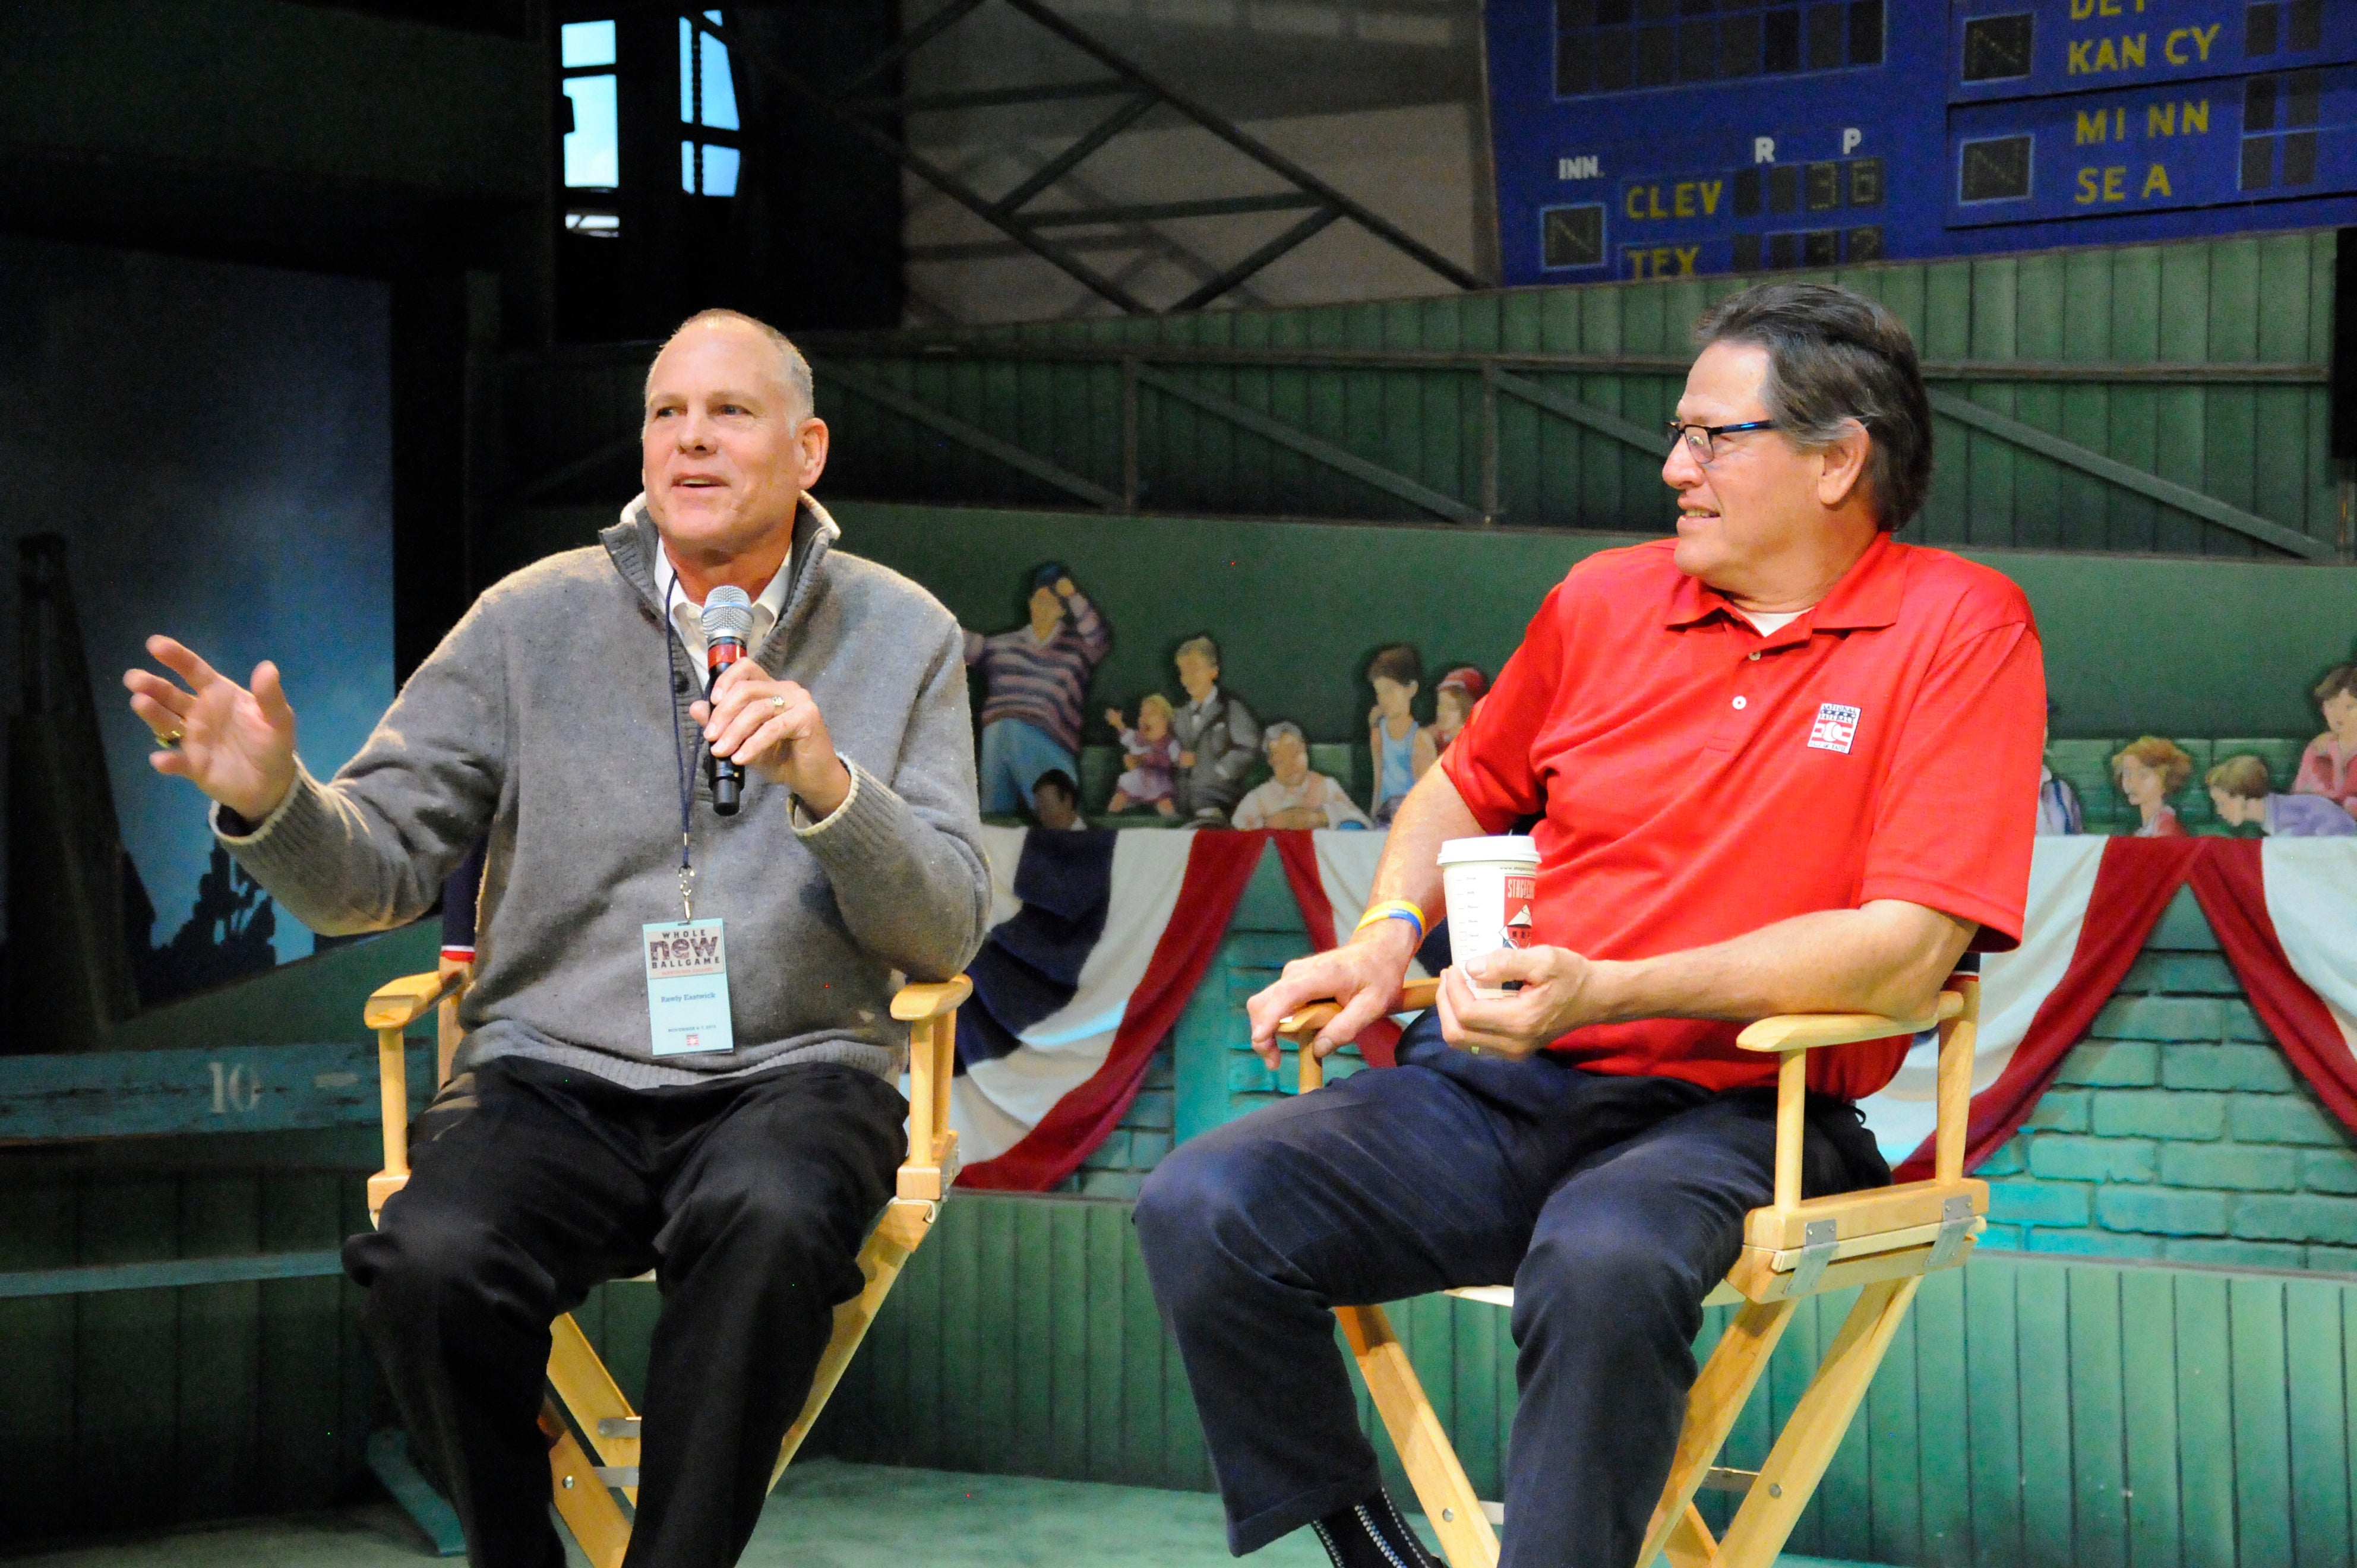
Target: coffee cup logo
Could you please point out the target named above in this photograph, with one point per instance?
(1520, 890)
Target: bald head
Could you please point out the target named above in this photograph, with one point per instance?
(792, 372)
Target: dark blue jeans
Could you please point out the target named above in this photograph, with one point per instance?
(1614, 1205)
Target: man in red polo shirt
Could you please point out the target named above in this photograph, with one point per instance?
(1782, 763)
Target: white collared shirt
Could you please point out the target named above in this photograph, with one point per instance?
(688, 616)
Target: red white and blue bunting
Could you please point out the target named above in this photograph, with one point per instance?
(1100, 939)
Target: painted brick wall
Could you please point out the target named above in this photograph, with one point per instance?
(1117, 1168)
(2176, 1131)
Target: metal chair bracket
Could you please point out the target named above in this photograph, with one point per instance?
(1818, 1238)
(1955, 1227)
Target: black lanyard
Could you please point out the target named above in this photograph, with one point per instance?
(680, 757)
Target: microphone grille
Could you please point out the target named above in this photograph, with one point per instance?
(727, 613)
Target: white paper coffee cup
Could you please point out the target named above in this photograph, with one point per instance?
(1489, 884)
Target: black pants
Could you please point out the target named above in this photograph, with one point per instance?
(528, 1186)
(1613, 1205)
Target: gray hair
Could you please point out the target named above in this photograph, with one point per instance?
(1282, 726)
(794, 370)
(1836, 357)
(1202, 645)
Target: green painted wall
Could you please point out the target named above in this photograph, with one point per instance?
(2031, 1412)
(2258, 443)
(2186, 647)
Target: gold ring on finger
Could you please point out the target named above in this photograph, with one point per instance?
(170, 739)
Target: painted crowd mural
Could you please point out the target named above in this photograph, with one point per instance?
(1198, 753)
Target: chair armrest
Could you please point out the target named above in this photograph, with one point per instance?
(1414, 997)
(915, 1003)
(400, 1002)
(1809, 1031)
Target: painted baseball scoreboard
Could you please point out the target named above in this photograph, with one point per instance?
(1660, 138)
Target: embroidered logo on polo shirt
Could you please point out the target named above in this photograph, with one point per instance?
(1837, 726)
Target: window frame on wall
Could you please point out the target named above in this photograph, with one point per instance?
(578, 50)
(708, 127)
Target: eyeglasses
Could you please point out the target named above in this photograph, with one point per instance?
(1702, 440)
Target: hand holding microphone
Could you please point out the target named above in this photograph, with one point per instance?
(728, 617)
(751, 721)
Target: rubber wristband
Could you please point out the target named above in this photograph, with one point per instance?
(1393, 909)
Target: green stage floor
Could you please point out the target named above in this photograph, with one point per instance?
(824, 1515)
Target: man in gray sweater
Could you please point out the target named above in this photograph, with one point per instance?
(591, 1134)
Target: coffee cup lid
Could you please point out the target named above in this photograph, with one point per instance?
(1503, 846)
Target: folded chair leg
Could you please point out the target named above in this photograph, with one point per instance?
(1806, 1445)
(1717, 1399)
(584, 1505)
(1689, 1545)
(595, 1400)
(904, 1225)
(1450, 1504)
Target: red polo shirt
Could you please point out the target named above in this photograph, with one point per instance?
(1694, 781)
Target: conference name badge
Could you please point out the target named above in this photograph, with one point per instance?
(687, 987)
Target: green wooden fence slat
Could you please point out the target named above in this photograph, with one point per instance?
(302, 1338)
(1943, 1466)
(1893, 1419)
(1108, 1245)
(127, 1338)
(973, 436)
(2123, 477)
(2315, 1381)
(217, 1366)
(1325, 451)
(1068, 1365)
(2098, 1478)
(2205, 1424)
(2149, 1405)
(1649, 440)
(2261, 1422)
(2043, 1330)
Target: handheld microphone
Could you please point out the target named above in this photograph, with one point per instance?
(728, 618)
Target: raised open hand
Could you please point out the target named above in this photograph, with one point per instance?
(235, 745)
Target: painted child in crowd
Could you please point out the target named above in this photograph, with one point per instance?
(1400, 748)
(1149, 752)
(2244, 793)
(2150, 769)
(2328, 765)
(1218, 736)
(1295, 797)
(1056, 803)
(2058, 804)
(1453, 701)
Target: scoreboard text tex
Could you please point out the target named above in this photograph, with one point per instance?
(1658, 138)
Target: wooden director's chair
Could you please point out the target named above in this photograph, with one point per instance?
(581, 1382)
(1885, 1240)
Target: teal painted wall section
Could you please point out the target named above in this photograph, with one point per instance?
(2031, 1414)
(2134, 644)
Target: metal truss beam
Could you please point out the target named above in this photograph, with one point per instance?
(851, 104)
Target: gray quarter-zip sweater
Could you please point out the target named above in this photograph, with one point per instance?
(547, 718)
